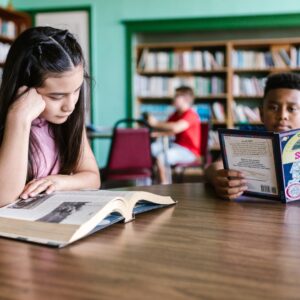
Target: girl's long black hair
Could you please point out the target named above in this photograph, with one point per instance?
(39, 53)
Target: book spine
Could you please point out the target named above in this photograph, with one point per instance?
(279, 168)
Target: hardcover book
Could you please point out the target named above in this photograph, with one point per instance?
(62, 218)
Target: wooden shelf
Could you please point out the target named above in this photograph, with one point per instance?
(227, 73)
(20, 20)
(247, 97)
(6, 40)
(170, 98)
(215, 122)
(266, 70)
(250, 123)
(181, 72)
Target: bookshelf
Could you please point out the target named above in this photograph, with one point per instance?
(228, 77)
(12, 23)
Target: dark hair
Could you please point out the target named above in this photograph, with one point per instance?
(37, 54)
(186, 90)
(282, 81)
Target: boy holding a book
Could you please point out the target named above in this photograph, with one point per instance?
(184, 124)
(280, 111)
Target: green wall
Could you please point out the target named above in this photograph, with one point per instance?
(108, 39)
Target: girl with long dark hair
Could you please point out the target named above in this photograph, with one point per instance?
(44, 146)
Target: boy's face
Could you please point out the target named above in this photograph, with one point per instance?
(182, 101)
(281, 110)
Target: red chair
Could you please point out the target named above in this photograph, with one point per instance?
(203, 159)
(130, 153)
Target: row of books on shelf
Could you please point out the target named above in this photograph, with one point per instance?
(181, 60)
(4, 48)
(196, 60)
(242, 114)
(216, 111)
(8, 29)
(248, 86)
(279, 58)
(156, 86)
(245, 114)
(206, 112)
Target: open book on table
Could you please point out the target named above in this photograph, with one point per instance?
(61, 218)
(270, 161)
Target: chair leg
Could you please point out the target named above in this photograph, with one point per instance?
(179, 172)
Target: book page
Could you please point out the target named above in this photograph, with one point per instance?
(254, 157)
(61, 207)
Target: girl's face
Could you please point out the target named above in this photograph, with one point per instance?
(61, 95)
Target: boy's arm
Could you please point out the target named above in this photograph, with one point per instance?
(174, 127)
(228, 184)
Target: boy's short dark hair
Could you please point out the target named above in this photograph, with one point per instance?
(282, 81)
(185, 90)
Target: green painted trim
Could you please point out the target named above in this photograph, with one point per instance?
(195, 24)
(214, 23)
(128, 73)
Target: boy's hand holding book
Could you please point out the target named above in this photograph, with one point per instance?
(229, 184)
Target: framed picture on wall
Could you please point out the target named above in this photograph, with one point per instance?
(78, 23)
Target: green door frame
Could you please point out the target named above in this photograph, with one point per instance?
(133, 27)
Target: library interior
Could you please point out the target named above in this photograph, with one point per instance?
(161, 82)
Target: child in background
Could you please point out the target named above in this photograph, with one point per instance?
(280, 111)
(184, 123)
(44, 146)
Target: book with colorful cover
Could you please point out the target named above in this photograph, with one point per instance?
(270, 161)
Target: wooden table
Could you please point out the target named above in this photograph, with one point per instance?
(202, 248)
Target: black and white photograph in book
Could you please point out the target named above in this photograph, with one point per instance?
(63, 211)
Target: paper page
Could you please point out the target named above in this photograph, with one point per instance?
(254, 157)
(61, 207)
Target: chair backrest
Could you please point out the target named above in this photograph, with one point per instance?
(130, 147)
(204, 132)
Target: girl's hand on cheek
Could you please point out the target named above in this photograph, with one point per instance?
(29, 104)
(37, 186)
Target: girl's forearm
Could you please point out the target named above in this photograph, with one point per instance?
(14, 158)
(80, 180)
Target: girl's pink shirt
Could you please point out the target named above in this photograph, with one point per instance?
(47, 160)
